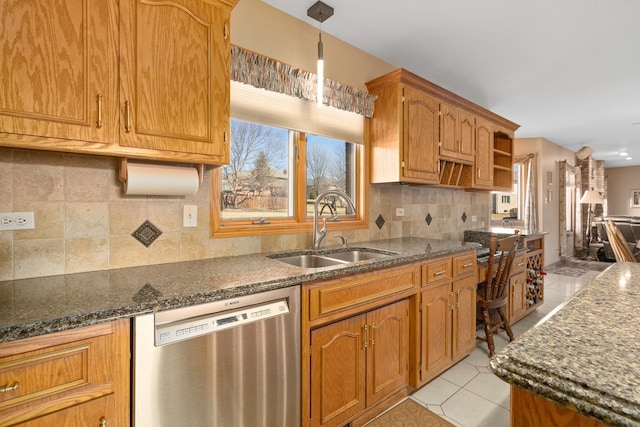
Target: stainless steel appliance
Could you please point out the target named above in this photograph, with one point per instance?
(231, 363)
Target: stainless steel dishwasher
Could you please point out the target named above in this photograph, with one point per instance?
(231, 363)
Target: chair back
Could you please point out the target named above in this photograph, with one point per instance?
(498, 272)
(618, 243)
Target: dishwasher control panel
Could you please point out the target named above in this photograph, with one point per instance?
(189, 328)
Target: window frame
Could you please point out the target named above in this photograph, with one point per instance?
(299, 222)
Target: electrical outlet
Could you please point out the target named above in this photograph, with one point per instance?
(399, 211)
(190, 216)
(17, 221)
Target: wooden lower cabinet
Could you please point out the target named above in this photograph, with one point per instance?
(356, 338)
(528, 410)
(78, 377)
(358, 361)
(447, 315)
(517, 305)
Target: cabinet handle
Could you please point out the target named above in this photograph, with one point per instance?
(439, 273)
(457, 299)
(99, 100)
(365, 336)
(467, 265)
(373, 334)
(451, 303)
(7, 388)
(103, 422)
(224, 137)
(225, 32)
(127, 116)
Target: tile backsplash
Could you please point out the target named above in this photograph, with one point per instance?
(84, 222)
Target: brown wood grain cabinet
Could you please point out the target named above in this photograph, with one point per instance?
(447, 314)
(457, 129)
(356, 344)
(76, 377)
(405, 132)
(483, 166)
(423, 134)
(517, 305)
(129, 78)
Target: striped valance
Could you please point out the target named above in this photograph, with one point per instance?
(262, 72)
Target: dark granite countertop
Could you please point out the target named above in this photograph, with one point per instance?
(586, 356)
(31, 307)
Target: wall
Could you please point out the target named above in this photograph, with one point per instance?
(84, 222)
(620, 182)
(548, 156)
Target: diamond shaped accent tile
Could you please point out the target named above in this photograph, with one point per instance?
(380, 222)
(428, 218)
(464, 217)
(147, 233)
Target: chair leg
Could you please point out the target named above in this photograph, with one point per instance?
(505, 323)
(487, 331)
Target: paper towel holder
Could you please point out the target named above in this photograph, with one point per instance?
(123, 170)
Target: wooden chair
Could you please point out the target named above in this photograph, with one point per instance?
(493, 295)
(618, 243)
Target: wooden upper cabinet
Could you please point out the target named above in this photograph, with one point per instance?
(457, 133)
(129, 78)
(422, 133)
(58, 67)
(420, 136)
(483, 166)
(175, 76)
(403, 134)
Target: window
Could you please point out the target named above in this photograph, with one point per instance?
(275, 175)
(508, 205)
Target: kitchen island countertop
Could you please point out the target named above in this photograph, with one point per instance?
(32, 307)
(586, 356)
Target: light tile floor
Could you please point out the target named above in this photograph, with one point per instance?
(468, 394)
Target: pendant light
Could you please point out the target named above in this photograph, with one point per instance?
(320, 12)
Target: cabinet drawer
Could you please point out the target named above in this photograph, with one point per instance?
(464, 264)
(436, 271)
(331, 296)
(48, 374)
(44, 374)
(519, 263)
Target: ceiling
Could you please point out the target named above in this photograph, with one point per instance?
(567, 71)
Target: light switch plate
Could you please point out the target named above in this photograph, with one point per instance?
(190, 216)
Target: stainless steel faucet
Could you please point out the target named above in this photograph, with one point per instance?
(320, 233)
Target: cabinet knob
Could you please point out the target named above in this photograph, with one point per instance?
(103, 422)
(99, 121)
(7, 388)
(373, 334)
(127, 116)
(365, 336)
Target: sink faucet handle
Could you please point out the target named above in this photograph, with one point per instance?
(344, 240)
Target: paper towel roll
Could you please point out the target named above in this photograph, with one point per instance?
(160, 180)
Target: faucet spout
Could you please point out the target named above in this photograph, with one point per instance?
(320, 233)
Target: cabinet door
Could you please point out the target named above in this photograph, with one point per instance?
(387, 352)
(338, 371)
(421, 126)
(58, 67)
(436, 329)
(97, 412)
(517, 297)
(467, 124)
(464, 316)
(175, 76)
(457, 129)
(449, 131)
(483, 176)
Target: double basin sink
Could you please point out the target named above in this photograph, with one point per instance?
(336, 257)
